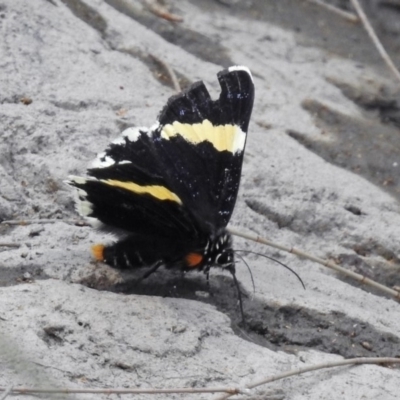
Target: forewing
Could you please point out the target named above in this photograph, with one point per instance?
(179, 178)
(126, 189)
(201, 144)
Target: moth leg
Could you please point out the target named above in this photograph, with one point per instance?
(239, 294)
(208, 281)
(209, 289)
(153, 269)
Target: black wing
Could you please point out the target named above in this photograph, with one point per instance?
(126, 190)
(181, 177)
(201, 143)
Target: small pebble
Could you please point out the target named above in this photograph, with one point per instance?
(27, 276)
(366, 345)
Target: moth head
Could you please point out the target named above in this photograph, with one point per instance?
(225, 259)
(221, 252)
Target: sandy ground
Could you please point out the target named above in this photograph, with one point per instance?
(320, 173)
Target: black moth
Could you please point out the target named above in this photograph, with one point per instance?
(171, 189)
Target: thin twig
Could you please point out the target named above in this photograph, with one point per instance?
(162, 12)
(374, 38)
(15, 245)
(228, 392)
(24, 390)
(330, 264)
(170, 72)
(345, 14)
(6, 392)
(44, 221)
(352, 361)
(333, 364)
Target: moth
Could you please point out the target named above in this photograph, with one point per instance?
(170, 190)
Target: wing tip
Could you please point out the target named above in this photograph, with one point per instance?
(243, 68)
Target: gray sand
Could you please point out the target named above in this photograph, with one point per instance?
(320, 173)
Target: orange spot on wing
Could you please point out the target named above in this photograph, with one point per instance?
(193, 260)
(98, 252)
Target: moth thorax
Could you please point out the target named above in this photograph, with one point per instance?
(219, 251)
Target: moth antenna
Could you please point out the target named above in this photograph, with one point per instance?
(248, 268)
(280, 263)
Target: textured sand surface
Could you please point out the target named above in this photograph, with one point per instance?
(320, 173)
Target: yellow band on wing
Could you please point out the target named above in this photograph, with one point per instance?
(223, 137)
(159, 192)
